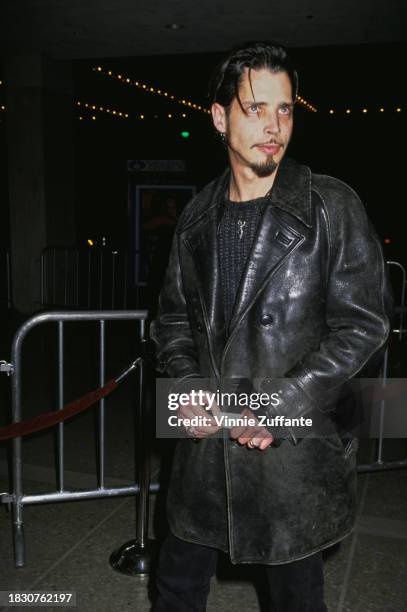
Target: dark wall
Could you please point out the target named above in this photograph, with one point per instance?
(361, 151)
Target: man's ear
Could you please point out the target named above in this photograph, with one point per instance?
(219, 117)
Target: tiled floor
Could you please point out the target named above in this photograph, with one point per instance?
(68, 547)
(68, 544)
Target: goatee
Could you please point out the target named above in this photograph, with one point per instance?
(265, 169)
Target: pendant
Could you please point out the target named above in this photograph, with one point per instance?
(241, 225)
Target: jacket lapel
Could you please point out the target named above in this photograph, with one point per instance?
(274, 242)
(278, 234)
(202, 243)
(200, 237)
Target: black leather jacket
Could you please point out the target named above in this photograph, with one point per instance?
(312, 310)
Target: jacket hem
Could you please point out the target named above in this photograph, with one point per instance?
(193, 541)
(252, 560)
(256, 560)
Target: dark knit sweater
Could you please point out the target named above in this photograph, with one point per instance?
(236, 233)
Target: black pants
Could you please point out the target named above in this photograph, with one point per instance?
(185, 569)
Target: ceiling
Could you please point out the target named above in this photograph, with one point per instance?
(75, 29)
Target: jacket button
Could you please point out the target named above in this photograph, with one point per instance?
(266, 319)
(199, 327)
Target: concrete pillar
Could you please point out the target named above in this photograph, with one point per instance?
(39, 127)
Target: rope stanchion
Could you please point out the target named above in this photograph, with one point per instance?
(49, 419)
(134, 558)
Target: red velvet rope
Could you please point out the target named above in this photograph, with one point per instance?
(47, 419)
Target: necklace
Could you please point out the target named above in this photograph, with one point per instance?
(241, 224)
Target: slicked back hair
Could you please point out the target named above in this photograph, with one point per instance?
(226, 79)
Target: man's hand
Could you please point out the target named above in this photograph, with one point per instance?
(252, 436)
(198, 410)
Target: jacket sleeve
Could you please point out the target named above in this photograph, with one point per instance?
(358, 310)
(171, 332)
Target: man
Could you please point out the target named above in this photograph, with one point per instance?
(277, 278)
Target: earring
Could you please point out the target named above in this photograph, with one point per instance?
(222, 136)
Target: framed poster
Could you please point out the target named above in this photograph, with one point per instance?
(157, 208)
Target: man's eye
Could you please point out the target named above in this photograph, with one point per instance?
(253, 108)
(285, 110)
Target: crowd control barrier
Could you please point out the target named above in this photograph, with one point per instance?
(17, 499)
(132, 557)
(91, 278)
(400, 330)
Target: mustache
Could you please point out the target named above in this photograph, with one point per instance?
(270, 142)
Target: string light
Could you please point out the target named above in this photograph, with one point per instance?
(150, 89)
(102, 109)
(144, 116)
(122, 115)
(153, 90)
(306, 104)
(364, 110)
(135, 117)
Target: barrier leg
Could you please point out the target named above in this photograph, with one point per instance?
(382, 410)
(18, 535)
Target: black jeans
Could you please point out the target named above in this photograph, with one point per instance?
(185, 569)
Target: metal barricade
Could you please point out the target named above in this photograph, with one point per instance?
(400, 311)
(17, 500)
(92, 278)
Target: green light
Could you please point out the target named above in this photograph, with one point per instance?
(185, 134)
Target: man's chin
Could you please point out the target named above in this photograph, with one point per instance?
(264, 169)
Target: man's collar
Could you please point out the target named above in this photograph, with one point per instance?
(291, 192)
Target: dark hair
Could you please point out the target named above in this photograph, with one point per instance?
(225, 81)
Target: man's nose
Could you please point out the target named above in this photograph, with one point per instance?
(272, 123)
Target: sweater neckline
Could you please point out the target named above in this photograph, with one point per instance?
(246, 203)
